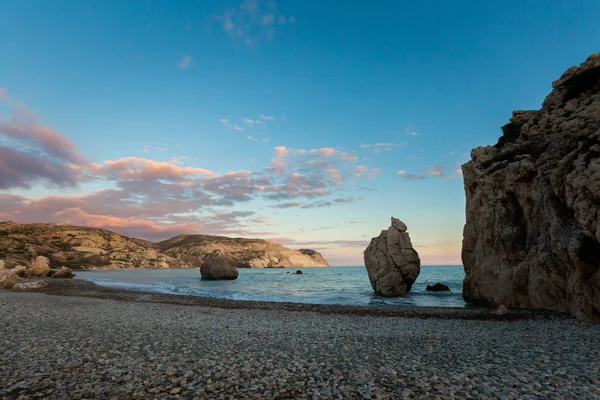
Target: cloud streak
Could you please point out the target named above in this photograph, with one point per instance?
(185, 62)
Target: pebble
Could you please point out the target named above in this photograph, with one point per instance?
(57, 347)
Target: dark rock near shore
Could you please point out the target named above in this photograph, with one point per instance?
(217, 267)
(63, 273)
(532, 232)
(438, 287)
(391, 261)
(298, 272)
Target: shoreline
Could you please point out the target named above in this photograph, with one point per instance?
(74, 339)
(87, 289)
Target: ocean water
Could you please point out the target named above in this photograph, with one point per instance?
(334, 285)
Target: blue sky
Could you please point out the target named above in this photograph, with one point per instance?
(158, 118)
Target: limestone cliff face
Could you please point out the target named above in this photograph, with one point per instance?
(242, 253)
(78, 247)
(532, 233)
(315, 255)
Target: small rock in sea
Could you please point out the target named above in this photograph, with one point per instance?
(298, 272)
(438, 287)
(501, 310)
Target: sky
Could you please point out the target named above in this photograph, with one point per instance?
(308, 123)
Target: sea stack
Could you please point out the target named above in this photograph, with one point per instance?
(392, 263)
(532, 232)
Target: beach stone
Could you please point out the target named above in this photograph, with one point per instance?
(20, 271)
(391, 261)
(8, 279)
(217, 267)
(501, 310)
(63, 272)
(30, 285)
(40, 267)
(438, 287)
(532, 232)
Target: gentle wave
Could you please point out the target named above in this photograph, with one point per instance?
(335, 285)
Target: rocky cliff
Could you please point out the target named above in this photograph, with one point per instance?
(241, 253)
(79, 247)
(532, 233)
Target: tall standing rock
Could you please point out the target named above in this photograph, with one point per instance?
(392, 262)
(532, 233)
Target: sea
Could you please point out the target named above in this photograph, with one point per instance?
(333, 285)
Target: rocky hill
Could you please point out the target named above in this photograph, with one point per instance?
(241, 253)
(79, 247)
(532, 233)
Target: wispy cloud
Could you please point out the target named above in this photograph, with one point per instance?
(253, 21)
(377, 147)
(257, 140)
(185, 62)
(267, 117)
(410, 130)
(362, 171)
(409, 177)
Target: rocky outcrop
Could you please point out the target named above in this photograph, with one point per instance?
(63, 273)
(241, 253)
(316, 256)
(79, 247)
(217, 267)
(20, 271)
(391, 261)
(438, 287)
(37, 284)
(532, 232)
(2, 264)
(8, 279)
(40, 267)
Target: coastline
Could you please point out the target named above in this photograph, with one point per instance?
(84, 288)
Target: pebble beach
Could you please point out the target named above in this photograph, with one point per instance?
(74, 340)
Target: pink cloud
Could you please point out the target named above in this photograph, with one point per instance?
(327, 151)
(280, 151)
(38, 153)
(141, 168)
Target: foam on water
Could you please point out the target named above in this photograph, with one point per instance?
(335, 285)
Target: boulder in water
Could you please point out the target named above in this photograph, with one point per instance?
(438, 287)
(391, 261)
(298, 272)
(216, 267)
